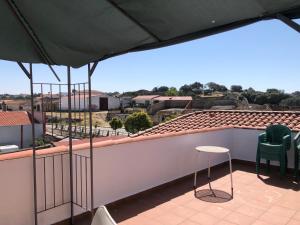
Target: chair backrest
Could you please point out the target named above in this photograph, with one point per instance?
(275, 133)
(102, 217)
(297, 142)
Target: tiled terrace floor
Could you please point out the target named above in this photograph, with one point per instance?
(259, 201)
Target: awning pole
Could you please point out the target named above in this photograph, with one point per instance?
(33, 145)
(90, 73)
(70, 143)
(30, 77)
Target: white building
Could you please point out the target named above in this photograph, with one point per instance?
(15, 129)
(100, 101)
(144, 100)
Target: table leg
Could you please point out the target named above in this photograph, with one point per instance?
(230, 166)
(209, 179)
(195, 180)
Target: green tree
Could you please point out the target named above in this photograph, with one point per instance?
(296, 93)
(291, 102)
(185, 89)
(116, 123)
(236, 88)
(137, 122)
(171, 92)
(216, 87)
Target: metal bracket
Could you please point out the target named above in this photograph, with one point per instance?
(37, 43)
(27, 73)
(289, 22)
(91, 70)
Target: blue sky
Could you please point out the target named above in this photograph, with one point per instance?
(263, 55)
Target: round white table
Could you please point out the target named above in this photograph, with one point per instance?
(213, 150)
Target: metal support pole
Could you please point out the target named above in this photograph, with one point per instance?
(33, 146)
(42, 109)
(90, 72)
(51, 107)
(230, 168)
(60, 122)
(70, 143)
(79, 105)
(84, 109)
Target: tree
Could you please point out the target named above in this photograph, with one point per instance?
(163, 89)
(296, 93)
(185, 89)
(270, 97)
(250, 94)
(290, 102)
(116, 123)
(236, 88)
(137, 122)
(196, 85)
(155, 89)
(274, 90)
(171, 92)
(216, 87)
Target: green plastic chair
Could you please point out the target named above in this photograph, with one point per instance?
(273, 146)
(297, 155)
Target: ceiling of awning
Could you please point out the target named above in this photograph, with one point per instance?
(77, 32)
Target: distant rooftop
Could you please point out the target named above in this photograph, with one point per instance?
(145, 97)
(10, 118)
(226, 118)
(165, 98)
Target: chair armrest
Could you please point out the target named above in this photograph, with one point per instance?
(286, 141)
(262, 138)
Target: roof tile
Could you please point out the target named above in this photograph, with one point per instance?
(217, 119)
(13, 118)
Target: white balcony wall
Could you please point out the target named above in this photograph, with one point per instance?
(119, 171)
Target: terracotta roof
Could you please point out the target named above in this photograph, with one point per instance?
(145, 97)
(12, 118)
(181, 98)
(223, 119)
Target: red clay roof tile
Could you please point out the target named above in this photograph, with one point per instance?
(217, 119)
(10, 118)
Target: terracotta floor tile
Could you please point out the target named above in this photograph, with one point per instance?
(259, 222)
(282, 211)
(223, 222)
(188, 222)
(217, 211)
(204, 219)
(249, 210)
(184, 211)
(197, 204)
(140, 221)
(297, 216)
(274, 219)
(170, 219)
(239, 218)
(289, 203)
(293, 222)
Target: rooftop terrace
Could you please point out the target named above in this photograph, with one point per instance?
(257, 200)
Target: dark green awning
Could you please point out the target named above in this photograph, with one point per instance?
(76, 32)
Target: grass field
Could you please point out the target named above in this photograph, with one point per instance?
(99, 118)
